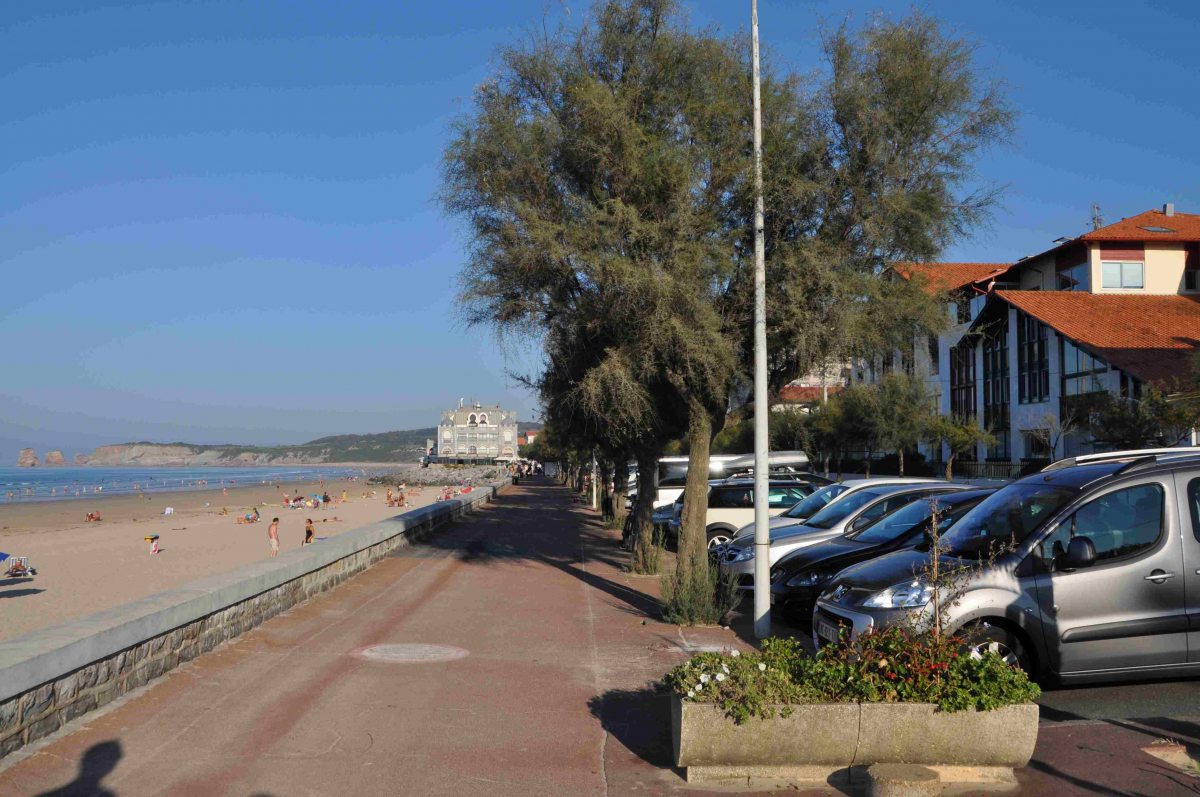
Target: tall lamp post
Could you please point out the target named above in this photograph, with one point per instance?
(762, 533)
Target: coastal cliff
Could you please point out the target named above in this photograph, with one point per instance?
(378, 447)
(55, 459)
(182, 455)
(27, 459)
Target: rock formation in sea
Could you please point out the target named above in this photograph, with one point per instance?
(81, 459)
(55, 459)
(27, 459)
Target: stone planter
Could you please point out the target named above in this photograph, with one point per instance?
(819, 740)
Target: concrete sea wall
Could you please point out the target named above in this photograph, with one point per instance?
(52, 676)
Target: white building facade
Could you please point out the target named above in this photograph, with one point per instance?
(476, 432)
(1109, 311)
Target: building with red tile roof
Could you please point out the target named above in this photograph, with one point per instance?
(1108, 310)
(946, 277)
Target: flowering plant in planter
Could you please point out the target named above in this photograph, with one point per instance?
(895, 664)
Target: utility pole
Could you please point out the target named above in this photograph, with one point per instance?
(595, 503)
(762, 532)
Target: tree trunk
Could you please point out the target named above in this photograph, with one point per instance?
(949, 465)
(642, 536)
(620, 485)
(839, 465)
(604, 471)
(901, 450)
(869, 454)
(693, 538)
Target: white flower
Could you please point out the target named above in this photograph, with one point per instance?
(726, 669)
(735, 653)
(720, 676)
(699, 687)
(762, 667)
(704, 678)
(691, 693)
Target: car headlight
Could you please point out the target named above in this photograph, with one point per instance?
(806, 579)
(909, 595)
(744, 554)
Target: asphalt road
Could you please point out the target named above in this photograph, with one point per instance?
(1131, 701)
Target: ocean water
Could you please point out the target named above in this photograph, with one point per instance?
(71, 483)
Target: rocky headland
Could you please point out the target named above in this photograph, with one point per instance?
(81, 459)
(55, 459)
(182, 455)
(27, 459)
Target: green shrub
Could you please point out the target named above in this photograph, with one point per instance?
(646, 557)
(699, 597)
(889, 666)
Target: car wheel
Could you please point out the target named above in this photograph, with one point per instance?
(986, 638)
(718, 538)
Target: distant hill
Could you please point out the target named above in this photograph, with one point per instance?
(385, 447)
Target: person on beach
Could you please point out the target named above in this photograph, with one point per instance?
(325, 499)
(273, 536)
(309, 531)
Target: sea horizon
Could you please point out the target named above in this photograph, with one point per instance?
(74, 482)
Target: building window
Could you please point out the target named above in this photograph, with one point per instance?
(962, 379)
(1036, 447)
(1077, 278)
(1033, 360)
(1189, 279)
(962, 307)
(934, 361)
(1080, 371)
(995, 389)
(1123, 275)
(1130, 387)
(483, 419)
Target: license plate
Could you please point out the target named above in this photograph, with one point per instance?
(826, 631)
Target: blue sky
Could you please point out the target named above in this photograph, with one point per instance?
(216, 218)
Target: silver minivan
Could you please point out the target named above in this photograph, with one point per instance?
(1102, 582)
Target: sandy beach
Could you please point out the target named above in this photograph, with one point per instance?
(87, 567)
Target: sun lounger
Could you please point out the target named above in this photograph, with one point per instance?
(17, 566)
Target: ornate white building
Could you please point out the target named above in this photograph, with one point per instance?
(475, 432)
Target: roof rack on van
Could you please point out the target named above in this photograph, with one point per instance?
(1116, 456)
(1137, 457)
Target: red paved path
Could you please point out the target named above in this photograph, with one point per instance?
(551, 699)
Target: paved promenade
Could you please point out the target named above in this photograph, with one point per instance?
(549, 699)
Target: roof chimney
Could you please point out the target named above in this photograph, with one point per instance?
(1169, 209)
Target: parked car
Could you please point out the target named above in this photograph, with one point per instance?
(827, 494)
(796, 578)
(731, 505)
(1102, 582)
(848, 514)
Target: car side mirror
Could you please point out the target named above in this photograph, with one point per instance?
(1081, 552)
(858, 524)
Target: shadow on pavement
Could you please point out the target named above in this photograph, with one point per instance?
(99, 760)
(640, 719)
(527, 530)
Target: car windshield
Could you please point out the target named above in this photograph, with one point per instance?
(816, 502)
(898, 523)
(1005, 517)
(838, 511)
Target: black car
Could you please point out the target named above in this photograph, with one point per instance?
(798, 578)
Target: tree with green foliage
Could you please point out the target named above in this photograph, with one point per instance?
(960, 433)
(604, 175)
(1153, 420)
(905, 411)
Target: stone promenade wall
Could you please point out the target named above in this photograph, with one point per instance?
(52, 676)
